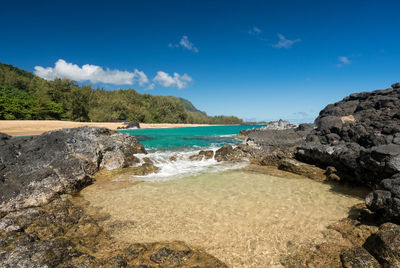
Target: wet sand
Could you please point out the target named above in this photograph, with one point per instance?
(37, 127)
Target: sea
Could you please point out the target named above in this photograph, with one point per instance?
(164, 144)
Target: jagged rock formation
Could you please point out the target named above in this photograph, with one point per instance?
(356, 140)
(359, 136)
(276, 147)
(130, 125)
(33, 170)
(228, 153)
(202, 155)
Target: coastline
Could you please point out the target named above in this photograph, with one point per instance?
(363, 151)
(37, 127)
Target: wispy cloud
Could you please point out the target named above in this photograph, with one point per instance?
(301, 114)
(285, 43)
(179, 81)
(150, 87)
(254, 31)
(185, 44)
(141, 77)
(342, 61)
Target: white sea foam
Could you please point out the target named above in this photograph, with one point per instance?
(183, 166)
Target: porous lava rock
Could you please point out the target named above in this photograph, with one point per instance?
(33, 170)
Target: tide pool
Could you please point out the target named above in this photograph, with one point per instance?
(188, 137)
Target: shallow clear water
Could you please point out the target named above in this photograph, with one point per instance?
(188, 137)
(244, 218)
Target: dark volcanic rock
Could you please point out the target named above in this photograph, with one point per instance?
(268, 147)
(385, 245)
(41, 228)
(358, 257)
(33, 170)
(203, 154)
(228, 153)
(129, 125)
(386, 201)
(359, 136)
(300, 168)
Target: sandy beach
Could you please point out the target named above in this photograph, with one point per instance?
(37, 127)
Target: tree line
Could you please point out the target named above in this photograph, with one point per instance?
(26, 96)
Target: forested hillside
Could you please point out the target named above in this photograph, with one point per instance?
(26, 96)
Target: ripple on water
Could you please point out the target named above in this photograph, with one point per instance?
(244, 218)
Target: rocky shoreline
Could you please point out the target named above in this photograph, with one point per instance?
(41, 227)
(355, 141)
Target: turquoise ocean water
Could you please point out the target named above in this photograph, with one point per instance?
(165, 144)
(188, 137)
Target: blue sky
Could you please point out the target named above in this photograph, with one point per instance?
(260, 60)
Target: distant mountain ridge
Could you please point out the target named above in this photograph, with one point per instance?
(24, 95)
(188, 106)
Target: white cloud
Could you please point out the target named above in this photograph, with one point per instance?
(255, 31)
(140, 77)
(150, 87)
(92, 73)
(186, 44)
(344, 60)
(96, 74)
(285, 43)
(179, 81)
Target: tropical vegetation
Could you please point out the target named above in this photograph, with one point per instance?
(24, 95)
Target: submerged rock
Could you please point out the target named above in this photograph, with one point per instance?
(307, 170)
(228, 153)
(203, 154)
(34, 170)
(385, 245)
(144, 169)
(358, 257)
(61, 234)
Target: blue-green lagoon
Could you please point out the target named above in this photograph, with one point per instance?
(170, 149)
(188, 137)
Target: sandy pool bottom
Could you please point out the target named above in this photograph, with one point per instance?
(245, 219)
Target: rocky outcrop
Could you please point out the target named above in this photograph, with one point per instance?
(303, 169)
(385, 245)
(356, 140)
(262, 142)
(36, 169)
(203, 154)
(40, 227)
(359, 136)
(279, 125)
(228, 153)
(385, 202)
(130, 125)
(358, 257)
